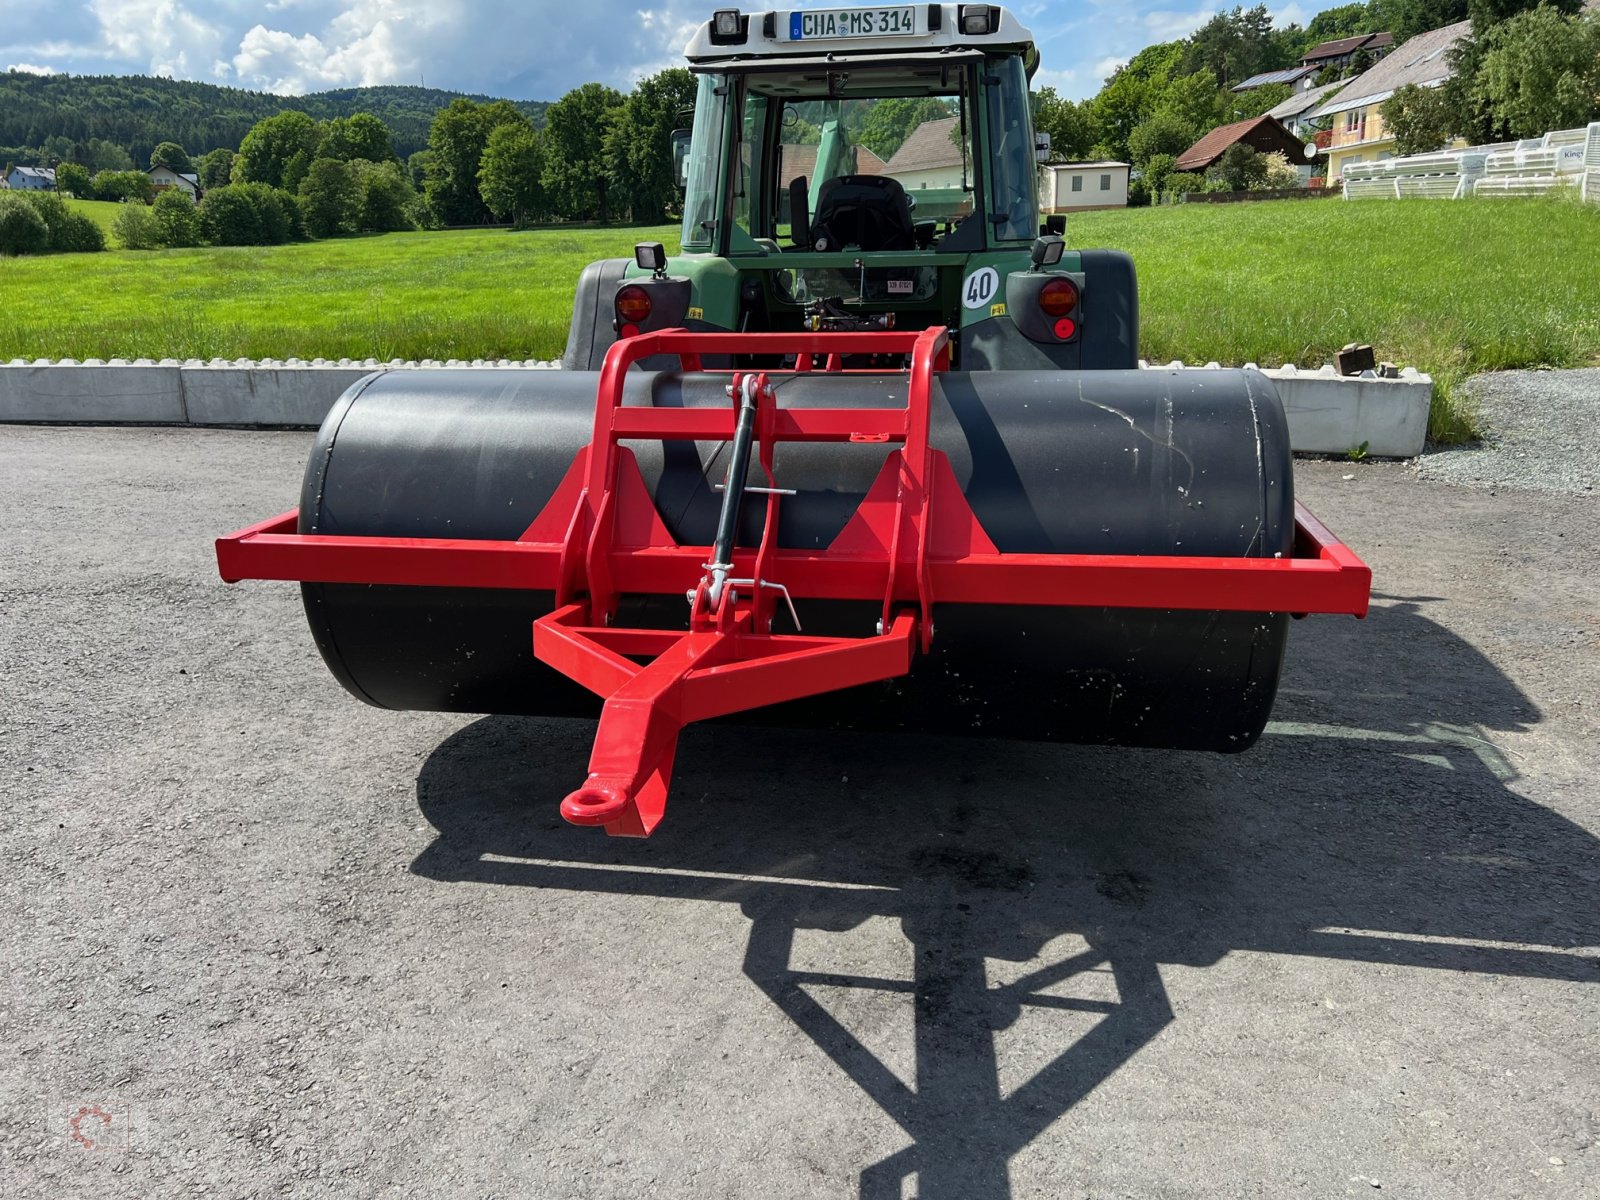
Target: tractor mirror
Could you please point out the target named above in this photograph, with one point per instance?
(1041, 147)
(1047, 251)
(680, 157)
(1056, 223)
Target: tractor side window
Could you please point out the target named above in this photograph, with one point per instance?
(705, 157)
(1013, 204)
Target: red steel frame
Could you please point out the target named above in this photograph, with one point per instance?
(913, 543)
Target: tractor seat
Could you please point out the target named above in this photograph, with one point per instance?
(864, 212)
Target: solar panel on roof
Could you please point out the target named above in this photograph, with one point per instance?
(1287, 75)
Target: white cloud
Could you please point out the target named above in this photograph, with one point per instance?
(366, 43)
(162, 35)
(525, 49)
(1164, 26)
(1062, 80)
(32, 68)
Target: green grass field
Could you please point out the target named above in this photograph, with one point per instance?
(1449, 287)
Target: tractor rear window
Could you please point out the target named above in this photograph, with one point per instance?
(876, 160)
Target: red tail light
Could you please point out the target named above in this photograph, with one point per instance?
(633, 304)
(1058, 297)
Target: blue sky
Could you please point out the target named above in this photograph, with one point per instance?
(523, 49)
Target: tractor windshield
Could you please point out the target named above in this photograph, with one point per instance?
(880, 157)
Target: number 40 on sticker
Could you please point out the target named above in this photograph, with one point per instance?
(981, 287)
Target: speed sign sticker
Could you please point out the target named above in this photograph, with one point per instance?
(980, 288)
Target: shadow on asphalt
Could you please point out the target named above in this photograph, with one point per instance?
(1373, 824)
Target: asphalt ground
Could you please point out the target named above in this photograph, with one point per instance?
(289, 945)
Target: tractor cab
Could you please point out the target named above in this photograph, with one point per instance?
(865, 169)
(861, 131)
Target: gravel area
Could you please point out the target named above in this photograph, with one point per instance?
(1540, 430)
(290, 945)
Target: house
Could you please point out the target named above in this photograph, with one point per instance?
(930, 158)
(1263, 133)
(1358, 131)
(1295, 113)
(31, 179)
(1074, 187)
(164, 178)
(1342, 53)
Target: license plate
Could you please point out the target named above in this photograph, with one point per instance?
(899, 21)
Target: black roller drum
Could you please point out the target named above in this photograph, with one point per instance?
(1106, 462)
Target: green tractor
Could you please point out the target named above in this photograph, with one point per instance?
(868, 169)
(970, 512)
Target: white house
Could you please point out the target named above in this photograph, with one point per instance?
(165, 177)
(1072, 187)
(31, 179)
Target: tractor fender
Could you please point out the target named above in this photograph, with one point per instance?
(590, 334)
(1110, 310)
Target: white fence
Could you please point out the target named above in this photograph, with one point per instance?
(1567, 158)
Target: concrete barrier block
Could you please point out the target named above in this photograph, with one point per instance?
(261, 395)
(1330, 415)
(70, 392)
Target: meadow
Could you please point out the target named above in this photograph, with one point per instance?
(1449, 287)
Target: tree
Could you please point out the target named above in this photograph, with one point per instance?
(510, 175)
(177, 222)
(1419, 118)
(1487, 14)
(23, 231)
(639, 143)
(72, 179)
(575, 178)
(360, 136)
(330, 198)
(1347, 20)
(275, 148)
(1181, 183)
(1194, 99)
(124, 185)
(1132, 94)
(456, 142)
(171, 156)
(1164, 134)
(215, 167)
(135, 228)
(1407, 18)
(98, 155)
(1540, 71)
(1157, 170)
(1240, 169)
(417, 168)
(1071, 124)
(387, 196)
(1280, 172)
(1233, 46)
(248, 214)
